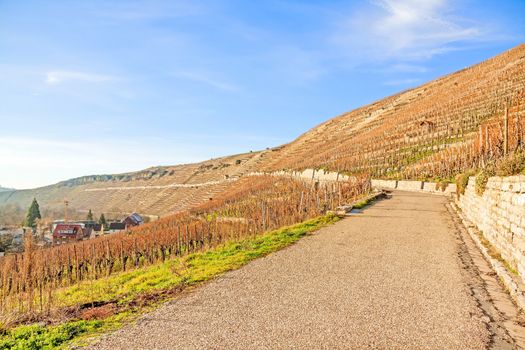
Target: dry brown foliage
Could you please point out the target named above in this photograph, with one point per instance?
(252, 205)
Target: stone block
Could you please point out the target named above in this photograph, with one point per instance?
(514, 219)
(519, 244)
(410, 185)
(328, 176)
(308, 174)
(516, 178)
(518, 200)
(384, 183)
(517, 230)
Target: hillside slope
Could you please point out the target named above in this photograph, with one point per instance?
(153, 191)
(443, 127)
(423, 132)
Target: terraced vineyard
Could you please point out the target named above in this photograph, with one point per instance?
(430, 131)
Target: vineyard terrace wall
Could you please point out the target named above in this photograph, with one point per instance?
(415, 186)
(310, 174)
(500, 215)
(403, 185)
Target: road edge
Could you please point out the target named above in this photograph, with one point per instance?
(506, 277)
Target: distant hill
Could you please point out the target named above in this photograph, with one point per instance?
(436, 130)
(153, 191)
(5, 189)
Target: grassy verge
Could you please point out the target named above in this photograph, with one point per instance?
(495, 254)
(364, 203)
(120, 298)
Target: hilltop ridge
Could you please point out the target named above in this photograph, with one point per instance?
(153, 191)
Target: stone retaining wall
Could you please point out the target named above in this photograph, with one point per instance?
(500, 215)
(315, 175)
(389, 184)
(403, 185)
(415, 186)
(410, 185)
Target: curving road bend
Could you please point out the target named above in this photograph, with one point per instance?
(391, 277)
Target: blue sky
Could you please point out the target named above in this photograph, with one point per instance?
(90, 87)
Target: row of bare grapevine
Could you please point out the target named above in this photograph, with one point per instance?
(486, 146)
(251, 206)
(420, 133)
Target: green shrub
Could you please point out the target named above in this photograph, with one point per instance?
(363, 203)
(41, 337)
(513, 164)
(482, 178)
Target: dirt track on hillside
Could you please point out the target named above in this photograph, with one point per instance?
(390, 277)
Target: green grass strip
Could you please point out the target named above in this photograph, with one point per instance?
(127, 286)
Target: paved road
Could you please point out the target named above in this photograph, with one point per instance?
(390, 277)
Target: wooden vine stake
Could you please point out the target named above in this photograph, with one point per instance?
(506, 131)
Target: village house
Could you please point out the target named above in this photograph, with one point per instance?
(133, 220)
(80, 230)
(65, 233)
(116, 226)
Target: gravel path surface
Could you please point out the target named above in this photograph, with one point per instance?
(387, 278)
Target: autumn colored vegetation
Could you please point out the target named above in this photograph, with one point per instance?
(253, 205)
(497, 138)
(468, 123)
(435, 131)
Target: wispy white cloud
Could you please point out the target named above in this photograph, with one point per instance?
(62, 76)
(406, 30)
(206, 79)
